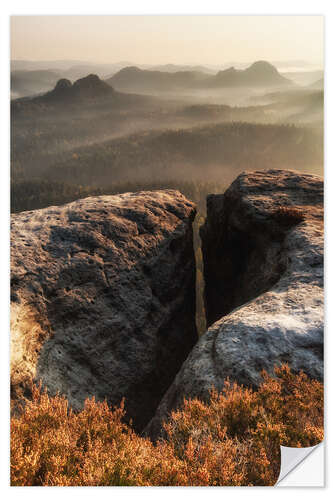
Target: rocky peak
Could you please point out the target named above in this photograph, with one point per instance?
(130, 69)
(89, 87)
(227, 73)
(62, 84)
(262, 68)
(92, 85)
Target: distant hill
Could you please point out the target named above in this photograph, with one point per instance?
(259, 74)
(304, 78)
(300, 105)
(80, 112)
(102, 70)
(174, 68)
(26, 65)
(85, 91)
(134, 78)
(318, 85)
(25, 83)
(29, 78)
(70, 69)
(89, 87)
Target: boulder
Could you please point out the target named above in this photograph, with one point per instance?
(103, 299)
(262, 246)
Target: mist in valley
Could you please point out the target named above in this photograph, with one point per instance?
(210, 127)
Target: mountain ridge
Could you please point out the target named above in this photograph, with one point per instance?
(260, 73)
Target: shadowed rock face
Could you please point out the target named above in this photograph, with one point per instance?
(262, 247)
(103, 298)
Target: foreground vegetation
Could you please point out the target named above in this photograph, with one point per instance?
(231, 440)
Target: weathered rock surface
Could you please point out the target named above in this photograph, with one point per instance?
(103, 298)
(264, 285)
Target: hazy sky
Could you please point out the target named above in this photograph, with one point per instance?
(168, 39)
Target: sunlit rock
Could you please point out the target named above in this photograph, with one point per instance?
(262, 247)
(103, 298)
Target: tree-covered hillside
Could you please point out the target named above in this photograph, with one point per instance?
(217, 152)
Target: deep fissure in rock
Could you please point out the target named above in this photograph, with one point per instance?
(240, 262)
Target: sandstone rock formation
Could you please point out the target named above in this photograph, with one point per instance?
(103, 298)
(263, 258)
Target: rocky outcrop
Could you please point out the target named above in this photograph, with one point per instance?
(102, 298)
(262, 246)
(89, 87)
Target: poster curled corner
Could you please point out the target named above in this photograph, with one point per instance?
(291, 458)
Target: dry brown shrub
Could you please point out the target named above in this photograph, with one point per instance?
(232, 440)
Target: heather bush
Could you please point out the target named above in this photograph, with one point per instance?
(231, 440)
(251, 425)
